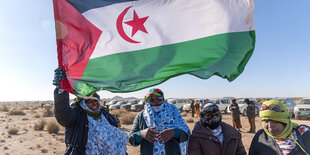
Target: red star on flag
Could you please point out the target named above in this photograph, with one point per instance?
(137, 24)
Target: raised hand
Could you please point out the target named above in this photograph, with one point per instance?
(58, 76)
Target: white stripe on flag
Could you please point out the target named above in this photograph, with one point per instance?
(169, 22)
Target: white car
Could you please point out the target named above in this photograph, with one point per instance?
(302, 110)
(117, 105)
(178, 103)
(222, 104)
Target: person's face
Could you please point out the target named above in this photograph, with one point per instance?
(156, 100)
(275, 128)
(92, 104)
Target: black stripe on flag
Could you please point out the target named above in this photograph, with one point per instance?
(85, 5)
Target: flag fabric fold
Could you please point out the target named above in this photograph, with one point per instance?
(124, 46)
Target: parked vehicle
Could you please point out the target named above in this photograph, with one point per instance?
(138, 107)
(178, 103)
(289, 104)
(128, 105)
(302, 110)
(222, 104)
(117, 105)
(112, 102)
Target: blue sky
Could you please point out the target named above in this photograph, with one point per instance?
(279, 67)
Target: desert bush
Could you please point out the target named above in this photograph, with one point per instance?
(25, 119)
(24, 108)
(44, 150)
(12, 131)
(4, 108)
(35, 107)
(36, 116)
(118, 112)
(52, 127)
(39, 125)
(16, 112)
(127, 118)
(184, 114)
(189, 120)
(47, 113)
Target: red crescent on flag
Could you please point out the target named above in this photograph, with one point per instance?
(120, 29)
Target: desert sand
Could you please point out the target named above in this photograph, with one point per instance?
(28, 141)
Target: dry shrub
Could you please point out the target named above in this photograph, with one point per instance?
(16, 112)
(40, 125)
(44, 150)
(52, 127)
(118, 112)
(25, 119)
(12, 131)
(36, 116)
(35, 107)
(4, 108)
(47, 113)
(189, 120)
(127, 118)
(24, 108)
(184, 114)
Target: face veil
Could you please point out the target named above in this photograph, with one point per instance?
(210, 116)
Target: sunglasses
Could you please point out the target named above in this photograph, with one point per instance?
(90, 101)
(154, 98)
(272, 108)
(209, 115)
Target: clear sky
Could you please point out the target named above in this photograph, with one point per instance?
(279, 67)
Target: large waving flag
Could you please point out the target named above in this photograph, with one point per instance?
(127, 45)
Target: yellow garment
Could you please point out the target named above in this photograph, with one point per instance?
(283, 117)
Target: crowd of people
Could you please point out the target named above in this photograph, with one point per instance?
(160, 129)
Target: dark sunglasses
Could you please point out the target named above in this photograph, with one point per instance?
(209, 115)
(90, 101)
(158, 98)
(272, 108)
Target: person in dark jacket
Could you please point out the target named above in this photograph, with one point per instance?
(250, 112)
(160, 128)
(211, 136)
(235, 114)
(89, 128)
(192, 105)
(279, 135)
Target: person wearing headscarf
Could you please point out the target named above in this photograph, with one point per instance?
(235, 114)
(192, 106)
(279, 135)
(89, 128)
(159, 128)
(211, 136)
(197, 108)
(250, 113)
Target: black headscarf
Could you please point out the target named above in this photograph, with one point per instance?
(214, 121)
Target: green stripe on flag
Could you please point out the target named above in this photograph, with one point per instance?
(224, 55)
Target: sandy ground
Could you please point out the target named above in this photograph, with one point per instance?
(29, 142)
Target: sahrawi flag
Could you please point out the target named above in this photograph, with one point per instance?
(126, 45)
